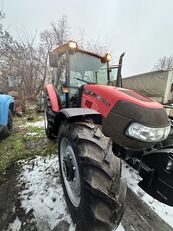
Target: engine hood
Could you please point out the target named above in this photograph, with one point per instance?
(121, 107)
(106, 97)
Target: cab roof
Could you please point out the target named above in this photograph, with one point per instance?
(65, 47)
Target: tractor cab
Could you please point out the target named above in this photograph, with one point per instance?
(73, 68)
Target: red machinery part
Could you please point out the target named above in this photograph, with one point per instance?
(53, 97)
(101, 99)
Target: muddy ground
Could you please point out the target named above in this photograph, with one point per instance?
(31, 196)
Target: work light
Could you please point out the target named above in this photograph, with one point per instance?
(72, 45)
(107, 57)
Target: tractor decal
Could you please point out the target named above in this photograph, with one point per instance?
(91, 93)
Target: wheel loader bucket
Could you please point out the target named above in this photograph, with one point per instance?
(156, 169)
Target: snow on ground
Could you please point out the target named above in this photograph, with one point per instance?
(43, 193)
(120, 228)
(39, 124)
(16, 225)
(131, 177)
(31, 134)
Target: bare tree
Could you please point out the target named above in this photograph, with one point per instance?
(57, 35)
(164, 63)
(27, 60)
(99, 46)
(61, 31)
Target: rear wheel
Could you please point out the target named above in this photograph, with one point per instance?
(90, 175)
(49, 118)
(7, 130)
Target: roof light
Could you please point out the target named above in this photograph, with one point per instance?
(108, 57)
(72, 45)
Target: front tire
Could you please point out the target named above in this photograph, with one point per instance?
(90, 174)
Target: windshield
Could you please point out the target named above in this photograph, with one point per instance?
(85, 68)
(113, 74)
(102, 75)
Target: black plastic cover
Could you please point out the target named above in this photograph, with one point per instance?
(123, 114)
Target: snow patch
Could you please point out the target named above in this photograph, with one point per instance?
(31, 134)
(120, 228)
(43, 192)
(16, 225)
(39, 124)
(131, 177)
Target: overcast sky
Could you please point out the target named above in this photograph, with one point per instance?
(141, 28)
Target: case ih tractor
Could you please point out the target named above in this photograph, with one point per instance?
(6, 110)
(96, 124)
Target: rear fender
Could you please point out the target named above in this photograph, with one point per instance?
(6, 103)
(53, 96)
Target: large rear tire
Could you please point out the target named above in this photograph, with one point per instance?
(91, 177)
(49, 118)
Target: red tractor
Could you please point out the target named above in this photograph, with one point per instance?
(96, 124)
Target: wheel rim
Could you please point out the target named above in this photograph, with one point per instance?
(70, 172)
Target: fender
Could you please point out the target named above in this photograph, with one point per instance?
(53, 97)
(5, 102)
(71, 113)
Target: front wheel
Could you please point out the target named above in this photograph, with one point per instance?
(90, 174)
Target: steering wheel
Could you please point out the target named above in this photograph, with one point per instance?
(110, 83)
(82, 80)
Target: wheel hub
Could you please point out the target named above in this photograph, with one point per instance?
(68, 168)
(70, 171)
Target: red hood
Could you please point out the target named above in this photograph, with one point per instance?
(104, 98)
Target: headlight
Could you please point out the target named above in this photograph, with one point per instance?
(147, 134)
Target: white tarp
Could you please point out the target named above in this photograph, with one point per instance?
(151, 84)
